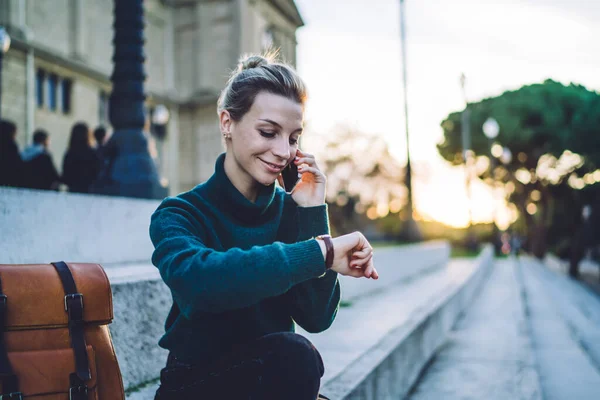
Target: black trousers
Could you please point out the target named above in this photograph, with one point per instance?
(276, 366)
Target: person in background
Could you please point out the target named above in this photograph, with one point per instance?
(245, 260)
(39, 171)
(11, 164)
(81, 164)
(100, 136)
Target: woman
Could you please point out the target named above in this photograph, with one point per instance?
(81, 164)
(11, 164)
(241, 258)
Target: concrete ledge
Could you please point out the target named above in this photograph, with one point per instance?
(430, 255)
(393, 365)
(44, 226)
(140, 309)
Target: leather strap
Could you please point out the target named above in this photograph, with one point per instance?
(74, 308)
(10, 382)
(329, 250)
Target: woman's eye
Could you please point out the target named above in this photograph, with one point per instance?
(267, 134)
(293, 141)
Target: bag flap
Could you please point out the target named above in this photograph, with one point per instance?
(36, 298)
(47, 371)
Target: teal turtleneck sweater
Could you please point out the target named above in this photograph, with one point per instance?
(239, 270)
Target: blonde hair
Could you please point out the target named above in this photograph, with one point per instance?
(255, 74)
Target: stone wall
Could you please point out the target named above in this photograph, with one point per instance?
(14, 90)
(43, 226)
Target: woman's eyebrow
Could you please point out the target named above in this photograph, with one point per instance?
(270, 121)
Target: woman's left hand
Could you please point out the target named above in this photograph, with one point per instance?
(310, 191)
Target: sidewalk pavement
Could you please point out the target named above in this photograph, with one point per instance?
(488, 355)
(589, 271)
(565, 329)
(533, 333)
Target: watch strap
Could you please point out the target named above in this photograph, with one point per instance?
(329, 250)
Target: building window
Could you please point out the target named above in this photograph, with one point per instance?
(103, 107)
(52, 91)
(66, 85)
(39, 84)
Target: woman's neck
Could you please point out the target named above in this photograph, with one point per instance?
(240, 179)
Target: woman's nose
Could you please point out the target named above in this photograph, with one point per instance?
(282, 149)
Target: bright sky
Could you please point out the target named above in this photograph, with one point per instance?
(349, 55)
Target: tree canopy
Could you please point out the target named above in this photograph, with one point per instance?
(553, 133)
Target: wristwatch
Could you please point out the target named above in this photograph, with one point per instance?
(328, 248)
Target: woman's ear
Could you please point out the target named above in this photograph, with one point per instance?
(225, 122)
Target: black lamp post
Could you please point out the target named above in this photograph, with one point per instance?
(4, 46)
(132, 171)
(491, 129)
(410, 230)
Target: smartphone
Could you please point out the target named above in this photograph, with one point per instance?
(290, 176)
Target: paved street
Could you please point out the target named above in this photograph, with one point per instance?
(489, 354)
(531, 334)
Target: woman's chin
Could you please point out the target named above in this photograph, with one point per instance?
(265, 180)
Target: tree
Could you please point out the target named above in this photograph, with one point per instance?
(552, 131)
(362, 177)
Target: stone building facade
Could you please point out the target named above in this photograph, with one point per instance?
(57, 71)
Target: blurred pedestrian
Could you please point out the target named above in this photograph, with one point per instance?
(100, 136)
(39, 171)
(11, 164)
(81, 164)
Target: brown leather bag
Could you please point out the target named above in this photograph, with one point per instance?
(55, 343)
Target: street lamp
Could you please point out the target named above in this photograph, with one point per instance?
(411, 230)
(133, 172)
(4, 46)
(491, 129)
(160, 118)
(506, 156)
(465, 135)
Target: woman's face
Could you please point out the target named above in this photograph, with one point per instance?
(265, 140)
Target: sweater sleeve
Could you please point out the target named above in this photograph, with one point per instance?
(314, 303)
(205, 280)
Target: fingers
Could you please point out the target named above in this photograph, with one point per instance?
(303, 169)
(305, 158)
(360, 261)
(365, 252)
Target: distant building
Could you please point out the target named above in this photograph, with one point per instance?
(58, 68)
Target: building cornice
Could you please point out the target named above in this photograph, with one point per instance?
(289, 10)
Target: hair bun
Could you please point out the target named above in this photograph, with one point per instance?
(253, 61)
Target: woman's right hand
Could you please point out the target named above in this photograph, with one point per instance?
(353, 256)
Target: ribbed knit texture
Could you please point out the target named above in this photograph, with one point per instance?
(239, 270)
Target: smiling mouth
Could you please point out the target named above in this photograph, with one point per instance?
(273, 166)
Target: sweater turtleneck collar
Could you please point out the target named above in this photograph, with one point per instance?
(228, 197)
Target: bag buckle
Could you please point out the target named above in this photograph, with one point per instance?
(11, 396)
(71, 297)
(75, 392)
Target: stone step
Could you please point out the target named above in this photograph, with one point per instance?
(488, 354)
(565, 367)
